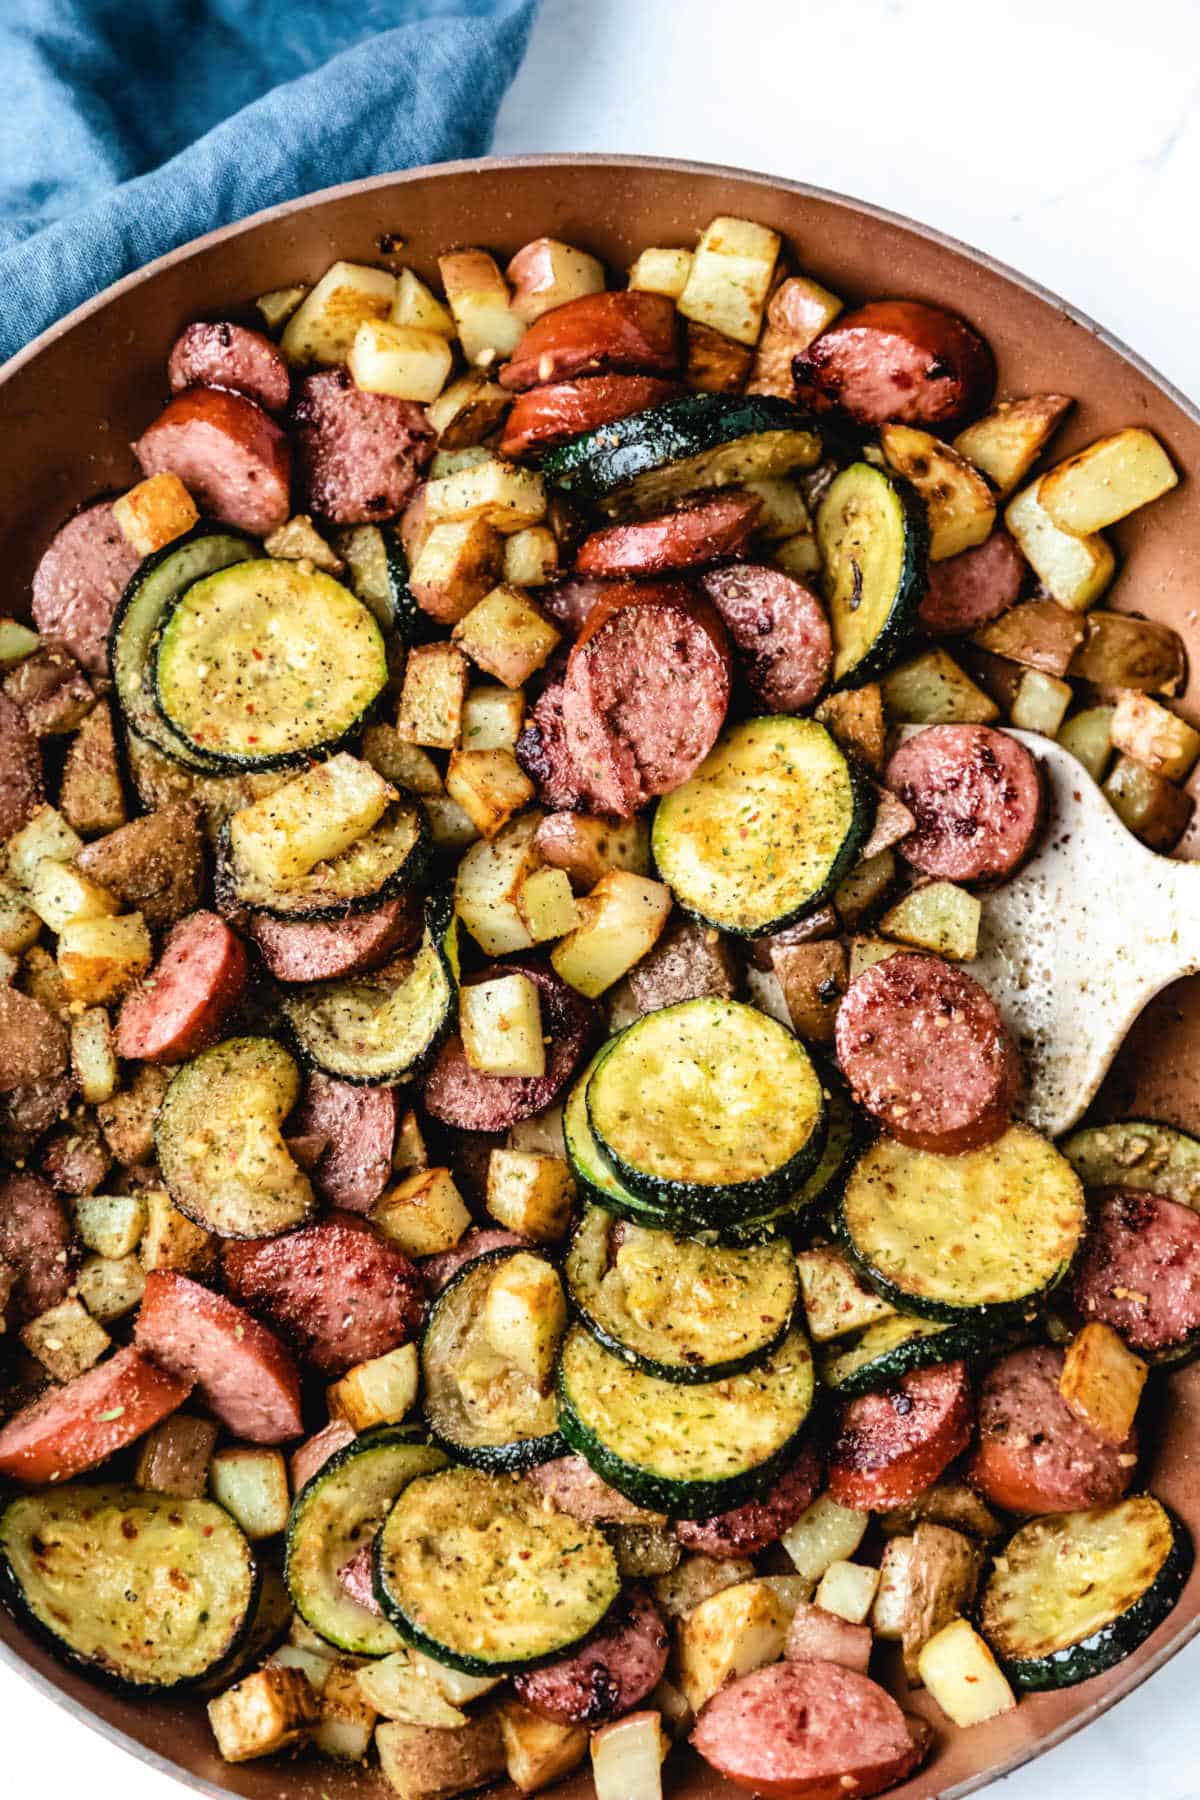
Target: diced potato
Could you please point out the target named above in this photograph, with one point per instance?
(931, 689)
(645, 1550)
(963, 1676)
(819, 1636)
(695, 1578)
(957, 499)
(278, 306)
(489, 785)
(892, 824)
(315, 1660)
(730, 278)
(1038, 634)
(1073, 570)
(943, 1573)
(401, 1687)
(91, 796)
(547, 273)
(587, 848)
(836, 1301)
(424, 1214)
(155, 512)
(813, 978)
(17, 642)
(937, 916)
(19, 924)
(1102, 1381)
(250, 1481)
(547, 904)
(100, 959)
(402, 764)
(865, 885)
(488, 329)
(826, 1533)
(854, 717)
(865, 952)
(539, 1751)
(60, 895)
(731, 1633)
(1007, 442)
(891, 1596)
(798, 556)
(449, 827)
(503, 495)
(111, 1224)
(623, 918)
(171, 1241)
(93, 1058)
(433, 695)
(543, 1133)
(323, 327)
(1040, 703)
(1106, 482)
(310, 819)
(501, 1025)
(405, 361)
(415, 304)
(1121, 651)
(46, 836)
(379, 1392)
(848, 1589)
(65, 1339)
(661, 271)
(488, 882)
(1088, 736)
(525, 1315)
(531, 1193)
(947, 1502)
(299, 541)
(127, 1120)
(423, 1762)
(714, 364)
(41, 979)
(1152, 735)
(627, 1758)
(1147, 803)
(506, 635)
(174, 1457)
(798, 311)
(347, 1720)
(531, 557)
(469, 410)
(454, 568)
(265, 1713)
(409, 1152)
(784, 513)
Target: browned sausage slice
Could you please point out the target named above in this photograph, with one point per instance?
(1034, 1455)
(574, 1488)
(1140, 1271)
(75, 1427)
(924, 1050)
(808, 1731)
(230, 356)
(360, 455)
(334, 1289)
(437, 1270)
(570, 601)
(780, 629)
(976, 795)
(545, 755)
(616, 1668)
(230, 455)
(894, 1443)
(901, 360)
(546, 416)
(646, 692)
(627, 331)
(697, 532)
(83, 572)
(33, 1043)
(973, 587)
(22, 789)
(358, 1125)
(35, 1240)
(241, 1371)
(195, 984)
(319, 950)
(751, 1528)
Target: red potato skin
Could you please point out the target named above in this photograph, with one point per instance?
(698, 532)
(819, 1636)
(22, 786)
(230, 356)
(545, 416)
(241, 1371)
(232, 457)
(198, 980)
(76, 1427)
(622, 332)
(897, 360)
(315, 1452)
(893, 1444)
(1033, 1454)
(33, 1043)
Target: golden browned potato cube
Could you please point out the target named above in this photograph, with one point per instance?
(502, 494)
(1006, 442)
(469, 410)
(277, 307)
(1152, 735)
(847, 1589)
(93, 1058)
(410, 1150)
(1040, 703)
(547, 273)
(91, 796)
(19, 924)
(623, 918)
(525, 1315)
(942, 1575)
(1073, 570)
(379, 1392)
(1102, 1381)
(46, 835)
(490, 786)
(531, 557)
(1151, 807)
(455, 567)
(407, 361)
(715, 363)
(480, 300)
(427, 1762)
(547, 904)
(101, 959)
(661, 271)
(531, 1192)
(836, 1300)
(731, 1633)
(251, 1482)
(60, 895)
(538, 1751)
(627, 1757)
(65, 1339)
(854, 717)
(347, 1720)
(155, 512)
(963, 1676)
(932, 689)
(174, 1457)
(423, 1214)
(323, 326)
(298, 540)
(402, 764)
(492, 718)
(431, 700)
(310, 819)
(111, 1286)
(415, 304)
(488, 882)
(111, 1224)
(265, 1713)
(171, 1241)
(957, 499)
(506, 635)
(127, 1120)
(730, 278)
(798, 311)
(1110, 479)
(501, 1025)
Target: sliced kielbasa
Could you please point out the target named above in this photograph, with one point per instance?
(779, 628)
(464, 1097)
(627, 331)
(198, 979)
(22, 787)
(569, 602)
(974, 587)
(319, 950)
(245, 1376)
(36, 1242)
(976, 796)
(545, 416)
(76, 586)
(33, 1043)
(751, 1528)
(699, 531)
(1140, 1270)
(360, 455)
(809, 1731)
(925, 1052)
(570, 1484)
(358, 1125)
(615, 1669)
(894, 1443)
(230, 356)
(230, 455)
(545, 755)
(897, 360)
(437, 1271)
(336, 1290)
(75, 1427)
(646, 692)
(1033, 1454)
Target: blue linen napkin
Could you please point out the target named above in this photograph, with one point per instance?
(131, 126)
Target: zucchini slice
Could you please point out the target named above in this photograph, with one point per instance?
(133, 635)
(219, 1140)
(392, 856)
(479, 1406)
(710, 1109)
(264, 664)
(874, 543)
(686, 1311)
(890, 1348)
(377, 574)
(1076, 1592)
(985, 1233)
(142, 1590)
(1140, 1154)
(335, 1513)
(646, 462)
(766, 828)
(477, 1571)
(688, 1451)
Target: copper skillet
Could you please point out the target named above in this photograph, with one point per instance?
(72, 401)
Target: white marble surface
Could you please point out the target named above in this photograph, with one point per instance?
(1060, 135)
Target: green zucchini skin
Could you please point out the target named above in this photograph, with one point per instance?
(1141, 1154)
(964, 1340)
(233, 896)
(903, 602)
